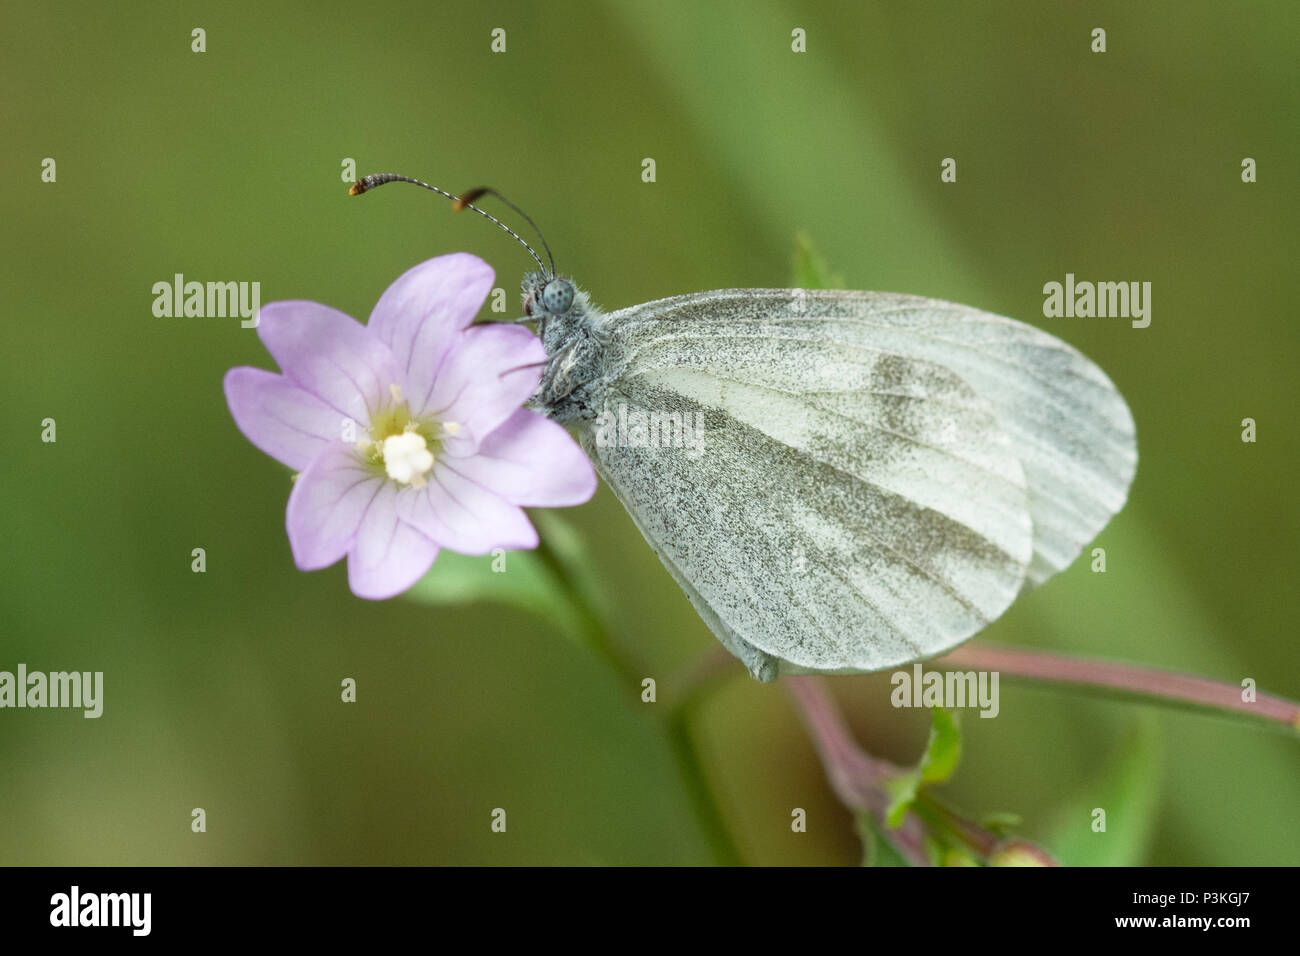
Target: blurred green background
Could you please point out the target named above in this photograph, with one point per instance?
(222, 688)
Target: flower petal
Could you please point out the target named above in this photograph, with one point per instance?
(331, 355)
(464, 516)
(419, 315)
(389, 555)
(289, 424)
(483, 380)
(330, 501)
(531, 461)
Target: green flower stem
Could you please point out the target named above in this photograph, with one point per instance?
(594, 633)
(1117, 678)
(707, 812)
(686, 756)
(694, 682)
(939, 818)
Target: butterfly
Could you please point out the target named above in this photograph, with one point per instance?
(870, 478)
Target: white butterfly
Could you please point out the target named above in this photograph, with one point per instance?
(881, 474)
(872, 479)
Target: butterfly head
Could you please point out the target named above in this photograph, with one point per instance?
(547, 295)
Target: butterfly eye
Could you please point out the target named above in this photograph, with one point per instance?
(558, 296)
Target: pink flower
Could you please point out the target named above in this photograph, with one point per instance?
(409, 432)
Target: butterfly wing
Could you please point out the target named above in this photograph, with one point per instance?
(879, 475)
(1067, 422)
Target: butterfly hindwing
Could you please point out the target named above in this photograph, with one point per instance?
(848, 507)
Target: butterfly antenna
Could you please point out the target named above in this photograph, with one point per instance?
(368, 183)
(465, 199)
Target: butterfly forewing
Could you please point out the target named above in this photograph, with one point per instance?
(1069, 426)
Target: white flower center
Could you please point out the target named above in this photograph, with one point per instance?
(407, 458)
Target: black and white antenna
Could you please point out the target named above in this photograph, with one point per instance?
(463, 201)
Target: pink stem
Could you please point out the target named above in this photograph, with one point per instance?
(1115, 675)
(854, 775)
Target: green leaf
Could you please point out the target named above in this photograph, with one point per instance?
(1128, 789)
(1001, 823)
(943, 751)
(902, 794)
(937, 764)
(811, 271)
(876, 848)
(554, 582)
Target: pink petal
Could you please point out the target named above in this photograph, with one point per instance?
(531, 461)
(289, 424)
(464, 516)
(419, 315)
(484, 379)
(389, 555)
(331, 355)
(329, 502)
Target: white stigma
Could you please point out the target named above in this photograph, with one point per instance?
(407, 458)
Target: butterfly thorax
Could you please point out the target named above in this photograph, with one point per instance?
(574, 334)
